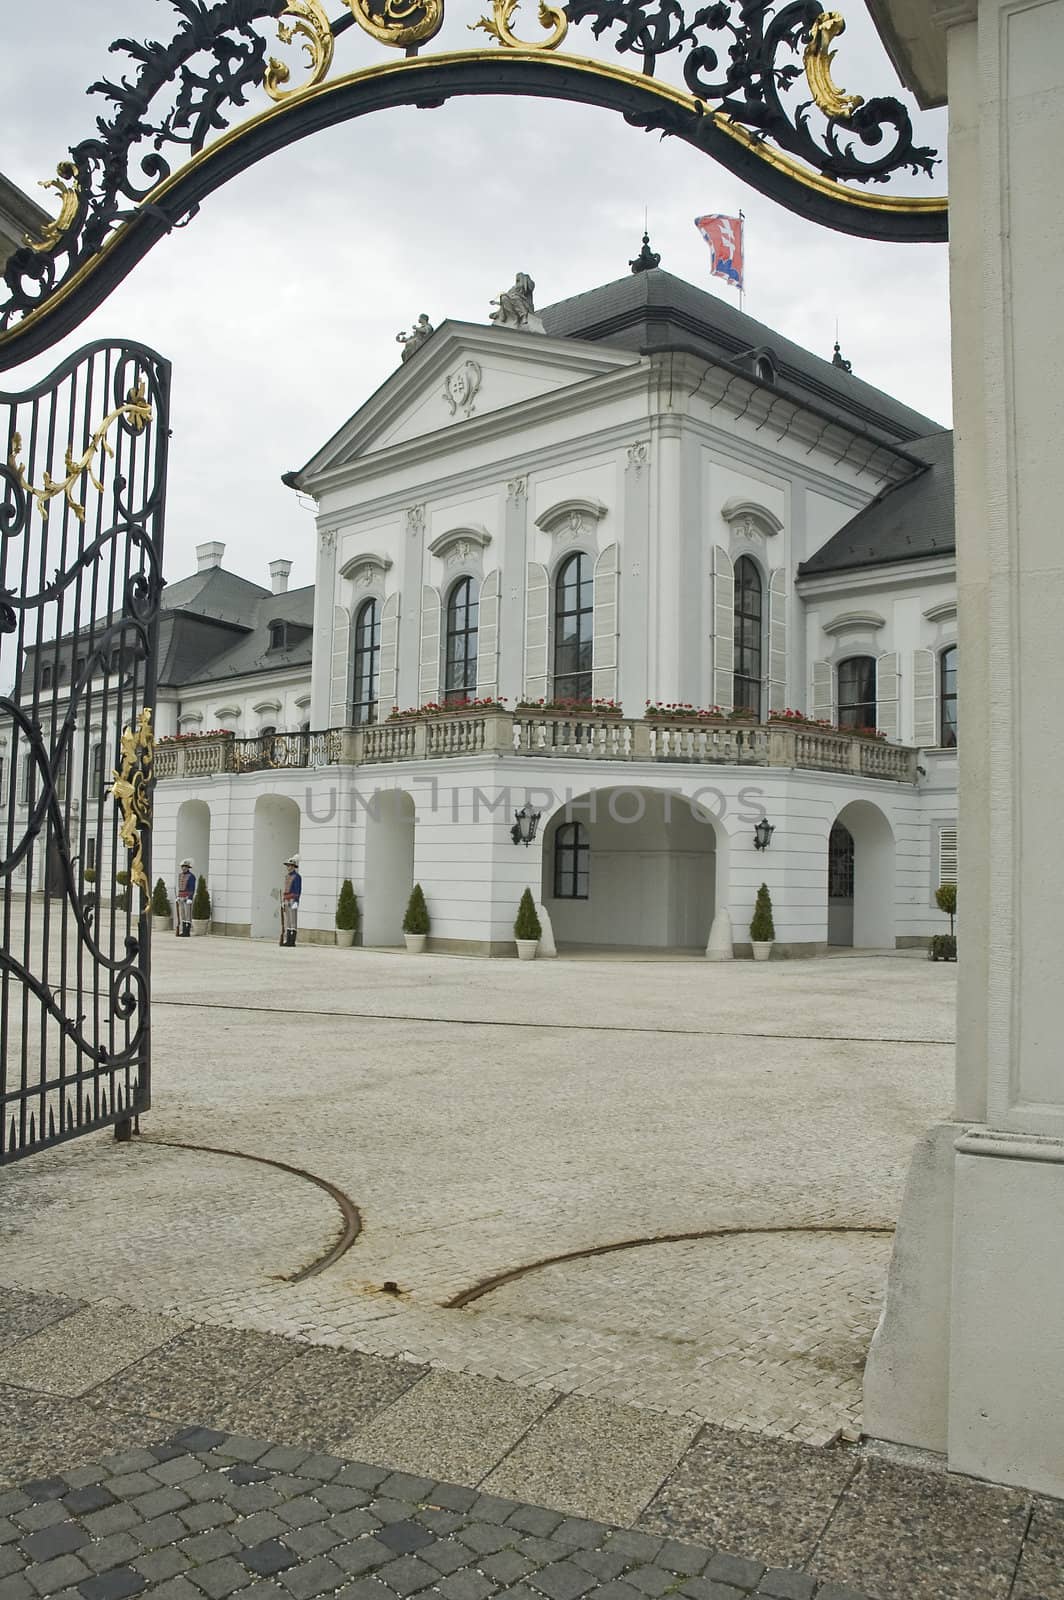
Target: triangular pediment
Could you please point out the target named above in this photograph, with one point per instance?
(462, 375)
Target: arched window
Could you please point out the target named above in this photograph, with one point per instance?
(97, 768)
(367, 663)
(857, 692)
(574, 607)
(572, 860)
(460, 662)
(947, 698)
(746, 683)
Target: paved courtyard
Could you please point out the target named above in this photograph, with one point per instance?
(484, 1119)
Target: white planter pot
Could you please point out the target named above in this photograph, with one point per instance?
(762, 949)
(526, 949)
(345, 938)
(162, 924)
(415, 942)
(200, 926)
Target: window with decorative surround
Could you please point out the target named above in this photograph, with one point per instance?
(366, 664)
(574, 625)
(947, 698)
(857, 692)
(460, 649)
(749, 624)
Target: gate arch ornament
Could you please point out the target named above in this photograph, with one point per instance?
(756, 92)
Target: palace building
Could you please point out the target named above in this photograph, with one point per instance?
(636, 567)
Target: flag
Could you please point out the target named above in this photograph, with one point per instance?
(724, 235)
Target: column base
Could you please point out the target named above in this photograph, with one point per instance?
(968, 1357)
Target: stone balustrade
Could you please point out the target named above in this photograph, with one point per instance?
(545, 734)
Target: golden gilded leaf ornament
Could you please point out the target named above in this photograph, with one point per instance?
(131, 788)
(311, 27)
(398, 22)
(498, 25)
(65, 184)
(136, 411)
(818, 59)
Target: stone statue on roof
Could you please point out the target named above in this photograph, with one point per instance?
(412, 341)
(516, 308)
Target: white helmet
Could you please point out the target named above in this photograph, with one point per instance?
(293, 861)
(186, 862)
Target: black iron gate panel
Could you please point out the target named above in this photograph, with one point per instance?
(82, 495)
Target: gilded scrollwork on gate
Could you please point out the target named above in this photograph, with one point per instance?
(131, 788)
(65, 184)
(398, 22)
(309, 26)
(135, 410)
(498, 26)
(818, 59)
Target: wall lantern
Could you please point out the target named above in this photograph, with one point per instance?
(763, 834)
(525, 825)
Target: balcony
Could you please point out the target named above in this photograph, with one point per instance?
(535, 735)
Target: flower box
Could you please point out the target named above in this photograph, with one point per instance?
(571, 708)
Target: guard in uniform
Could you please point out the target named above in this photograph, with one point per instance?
(186, 889)
(293, 888)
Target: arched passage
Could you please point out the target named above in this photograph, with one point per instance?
(861, 858)
(276, 837)
(389, 866)
(631, 867)
(193, 840)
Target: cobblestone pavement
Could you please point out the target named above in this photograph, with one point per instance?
(486, 1116)
(379, 1480)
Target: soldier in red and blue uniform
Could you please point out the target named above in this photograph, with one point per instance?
(290, 895)
(186, 889)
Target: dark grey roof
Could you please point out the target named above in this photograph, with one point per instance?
(215, 593)
(251, 653)
(652, 310)
(910, 521)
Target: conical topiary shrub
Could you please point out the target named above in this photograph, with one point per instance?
(762, 928)
(527, 924)
(347, 908)
(160, 900)
(416, 919)
(201, 900)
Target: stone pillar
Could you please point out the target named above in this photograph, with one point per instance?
(324, 602)
(976, 1308)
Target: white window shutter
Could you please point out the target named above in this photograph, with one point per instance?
(428, 682)
(388, 681)
(340, 675)
(777, 639)
(947, 855)
(924, 698)
(537, 623)
(488, 636)
(888, 684)
(823, 691)
(722, 641)
(604, 649)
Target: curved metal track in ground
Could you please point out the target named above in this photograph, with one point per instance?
(352, 1219)
(497, 1280)
(564, 1027)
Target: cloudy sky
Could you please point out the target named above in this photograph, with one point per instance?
(280, 303)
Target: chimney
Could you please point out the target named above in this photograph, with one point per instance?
(279, 571)
(209, 555)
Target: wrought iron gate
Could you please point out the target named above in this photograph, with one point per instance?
(82, 495)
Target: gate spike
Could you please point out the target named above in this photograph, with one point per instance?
(103, 1103)
(68, 1120)
(33, 1129)
(51, 1122)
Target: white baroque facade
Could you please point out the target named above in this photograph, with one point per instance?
(656, 502)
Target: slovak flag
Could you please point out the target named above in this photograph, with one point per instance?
(724, 235)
